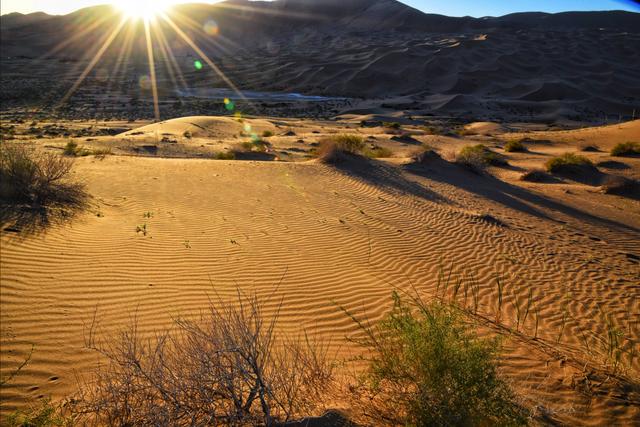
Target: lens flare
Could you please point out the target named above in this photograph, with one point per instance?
(211, 28)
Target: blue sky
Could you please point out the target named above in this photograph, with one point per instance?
(446, 7)
(503, 7)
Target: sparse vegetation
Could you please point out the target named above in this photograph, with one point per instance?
(224, 155)
(514, 146)
(43, 414)
(267, 134)
(71, 149)
(535, 175)
(568, 162)
(428, 369)
(377, 152)
(477, 157)
(425, 154)
(392, 125)
(333, 149)
(37, 178)
(252, 146)
(229, 368)
(626, 149)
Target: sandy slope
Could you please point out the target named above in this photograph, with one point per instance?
(346, 236)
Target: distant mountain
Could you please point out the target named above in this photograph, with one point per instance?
(246, 22)
(15, 19)
(567, 64)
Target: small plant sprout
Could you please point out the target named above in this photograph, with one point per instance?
(142, 229)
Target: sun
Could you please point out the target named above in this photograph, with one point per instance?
(142, 9)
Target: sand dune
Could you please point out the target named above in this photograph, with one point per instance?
(346, 235)
(543, 67)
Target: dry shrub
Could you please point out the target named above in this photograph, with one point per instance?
(535, 175)
(339, 147)
(425, 155)
(229, 368)
(37, 178)
(515, 146)
(477, 157)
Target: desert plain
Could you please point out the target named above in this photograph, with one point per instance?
(212, 199)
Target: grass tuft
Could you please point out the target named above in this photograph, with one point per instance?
(478, 157)
(626, 149)
(514, 146)
(334, 149)
(568, 162)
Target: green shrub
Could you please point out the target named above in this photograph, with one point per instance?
(267, 134)
(626, 149)
(568, 161)
(71, 149)
(224, 155)
(392, 125)
(250, 146)
(427, 368)
(377, 152)
(514, 146)
(477, 157)
(42, 415)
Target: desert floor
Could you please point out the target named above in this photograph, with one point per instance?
(320, 236)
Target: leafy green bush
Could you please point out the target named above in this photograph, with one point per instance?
(626, 149)
(567, 162)
(514, 146)
(267, 134)
(428, 369)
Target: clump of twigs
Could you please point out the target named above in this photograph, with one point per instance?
(230, 367)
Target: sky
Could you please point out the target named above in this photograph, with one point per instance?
(448, 7)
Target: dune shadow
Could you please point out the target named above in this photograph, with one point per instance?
(386, 177)
(613, 164)
(511, 196)
(24, 219)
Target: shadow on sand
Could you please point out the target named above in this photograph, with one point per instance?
(386, 177)
(505, 194)
(22, 220)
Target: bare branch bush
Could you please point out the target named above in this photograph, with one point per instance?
(36, 177)
(230, 367)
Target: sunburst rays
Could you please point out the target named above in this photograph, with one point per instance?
(183, 26)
